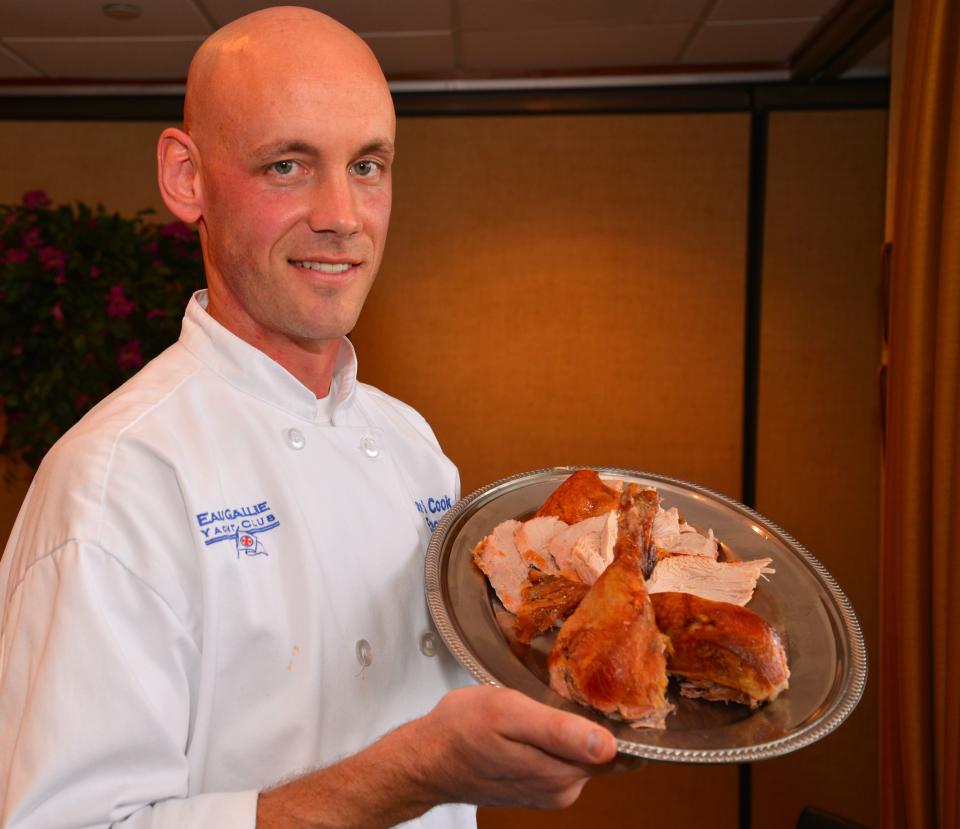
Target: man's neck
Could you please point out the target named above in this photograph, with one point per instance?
(311, 362)
(313, 367)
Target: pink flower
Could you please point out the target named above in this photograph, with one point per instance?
(31, 238)
(17, 350)
(130, 355)
(57, 312)
(33, 199)
(60, 279)
(153, 313)
(52, 259)
(81, 402)
(15, 256)
(117, 303)
(95, 271)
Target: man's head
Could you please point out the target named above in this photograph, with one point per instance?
(284, 163)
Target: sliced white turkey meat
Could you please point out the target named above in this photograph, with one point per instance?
(721, 581)
(500, 560)
(533, 540)
(583, 550)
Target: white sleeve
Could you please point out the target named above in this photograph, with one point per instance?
(96, 701)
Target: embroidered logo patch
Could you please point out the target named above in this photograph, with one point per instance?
(240, 525)
(433, 509)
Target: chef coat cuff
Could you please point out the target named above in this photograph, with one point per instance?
(213, 810)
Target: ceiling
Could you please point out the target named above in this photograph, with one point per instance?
(458, 43)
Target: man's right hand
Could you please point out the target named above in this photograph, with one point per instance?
(482, 745)
(497, 747)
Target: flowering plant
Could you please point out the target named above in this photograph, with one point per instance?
(86, 298)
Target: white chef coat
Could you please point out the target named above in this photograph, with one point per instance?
(215, 583)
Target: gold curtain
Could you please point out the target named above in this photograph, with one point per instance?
(919, 660)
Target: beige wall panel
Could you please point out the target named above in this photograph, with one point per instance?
(562, 290)
(568, 290)
(819, 429)
(657, 795)
(110, 163)
(14, 482)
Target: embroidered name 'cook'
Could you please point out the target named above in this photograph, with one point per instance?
(239, 525)
(433, 509)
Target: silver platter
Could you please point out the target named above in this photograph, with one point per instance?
(825, 648)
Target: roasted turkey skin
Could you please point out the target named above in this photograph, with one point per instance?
(582, 495)
(609, 654)
(722, 651)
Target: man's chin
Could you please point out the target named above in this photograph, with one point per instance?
(310, 332)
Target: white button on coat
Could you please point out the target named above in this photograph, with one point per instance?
(295, 439)
(370, 447)
(428, 644)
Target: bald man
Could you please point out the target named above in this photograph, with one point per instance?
(215, 582)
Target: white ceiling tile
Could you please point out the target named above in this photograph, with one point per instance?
(558, 49)
(359, 15)
(63, 18)
(164, 58)
(11, 66)
(524, 14)
(765, 10)
(414, 53)
(755, 42)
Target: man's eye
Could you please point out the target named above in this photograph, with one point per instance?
(283, 168)
(366, 168)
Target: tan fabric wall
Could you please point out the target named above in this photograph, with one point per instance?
(111, 163)
(563, 290)
(819, 430)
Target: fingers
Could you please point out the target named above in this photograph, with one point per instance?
(559, 733)
(497, 747)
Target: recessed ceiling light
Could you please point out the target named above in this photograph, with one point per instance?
(121, 11)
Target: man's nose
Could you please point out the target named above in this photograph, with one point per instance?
(333, 206)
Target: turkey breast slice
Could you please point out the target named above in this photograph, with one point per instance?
(694, 543)
(583, 550)
(533, 539)
(721, 581)
(497, 556)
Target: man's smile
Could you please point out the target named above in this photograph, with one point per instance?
(323, 267)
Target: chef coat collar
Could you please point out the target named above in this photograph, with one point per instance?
(253, 372)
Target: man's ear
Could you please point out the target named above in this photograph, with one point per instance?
(178, 174)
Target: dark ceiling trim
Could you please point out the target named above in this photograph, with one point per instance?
(843, 40)
(859, 94)
(719, 98)
(92, 108)
(649, 73)
(852, 94)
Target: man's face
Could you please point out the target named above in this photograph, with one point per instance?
(296, 187)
